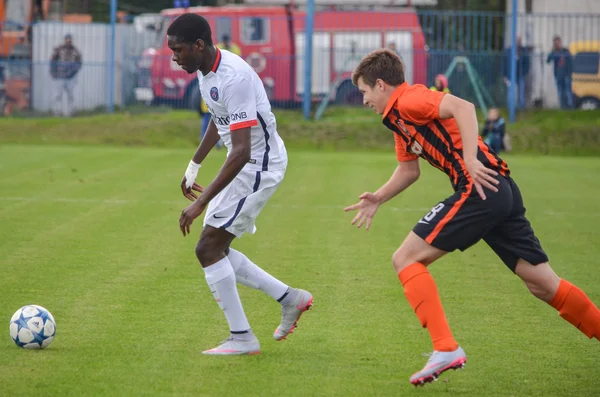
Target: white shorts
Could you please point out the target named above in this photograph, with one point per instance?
(236, 207)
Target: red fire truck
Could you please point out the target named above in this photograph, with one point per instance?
(272, 41)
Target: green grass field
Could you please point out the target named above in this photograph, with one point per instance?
(91, 233)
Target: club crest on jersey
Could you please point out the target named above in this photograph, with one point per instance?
(416, 148)
(402, 127)
(214, 94)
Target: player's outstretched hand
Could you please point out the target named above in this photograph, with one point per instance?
(482, 177)
(367, 207)
(188, 191)
(188, 215)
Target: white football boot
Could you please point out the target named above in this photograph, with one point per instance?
(291, 312)
(438, 363)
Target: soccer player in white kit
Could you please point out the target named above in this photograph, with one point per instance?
(254, 168)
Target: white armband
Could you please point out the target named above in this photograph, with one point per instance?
(191, 173)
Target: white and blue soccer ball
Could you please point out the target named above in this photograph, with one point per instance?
(32, 327)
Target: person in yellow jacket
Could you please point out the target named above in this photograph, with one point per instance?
(205, 115)
(226, 44)
(441, 84)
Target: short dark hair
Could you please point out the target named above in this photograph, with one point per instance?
(381, 64)
(189, 28)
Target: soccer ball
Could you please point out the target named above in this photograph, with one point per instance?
(32, 327)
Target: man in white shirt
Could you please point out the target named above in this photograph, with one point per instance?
(254, 168)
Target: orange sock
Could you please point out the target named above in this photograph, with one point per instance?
(422, 294)
(574, 306)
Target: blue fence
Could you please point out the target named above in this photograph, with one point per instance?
(472, 51)
(484, 40)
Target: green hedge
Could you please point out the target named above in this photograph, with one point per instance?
(557, 132)
(546, 132)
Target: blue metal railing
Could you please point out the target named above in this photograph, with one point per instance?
(117, 73)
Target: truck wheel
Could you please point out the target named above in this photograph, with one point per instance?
(348, 94)
(589, 103)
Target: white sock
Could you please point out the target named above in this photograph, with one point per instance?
(221, 281)
(250, 275)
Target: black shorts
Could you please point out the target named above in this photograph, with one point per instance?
(464, 218)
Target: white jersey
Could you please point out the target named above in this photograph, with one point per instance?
(236, 98)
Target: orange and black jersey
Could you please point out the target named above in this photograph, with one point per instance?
(413, 114)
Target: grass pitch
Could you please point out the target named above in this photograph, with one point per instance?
(91, 233)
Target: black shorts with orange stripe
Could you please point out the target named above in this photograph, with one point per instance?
(464, 218)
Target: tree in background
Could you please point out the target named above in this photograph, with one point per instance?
(471, 5)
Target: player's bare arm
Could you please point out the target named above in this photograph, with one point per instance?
(237, 159)
(211, 137)
(210, 140)
(465, 116)
(405, 175)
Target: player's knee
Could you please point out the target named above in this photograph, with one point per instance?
(403, 258)
(201, 250)
(540, 291)
(540, 280)
(400, 260)
(205, 251)
(544, 291)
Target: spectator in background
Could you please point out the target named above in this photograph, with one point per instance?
(440, 84)
(18, 77)
(523, 66)
(64, 66)
(123, 17)
(392, 46)
(20, 51)
(38, 11)
(494, 131)
(563, 72)
(20, 60)
(37, 15)
(226, 44)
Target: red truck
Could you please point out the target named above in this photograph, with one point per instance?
(271, 40)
